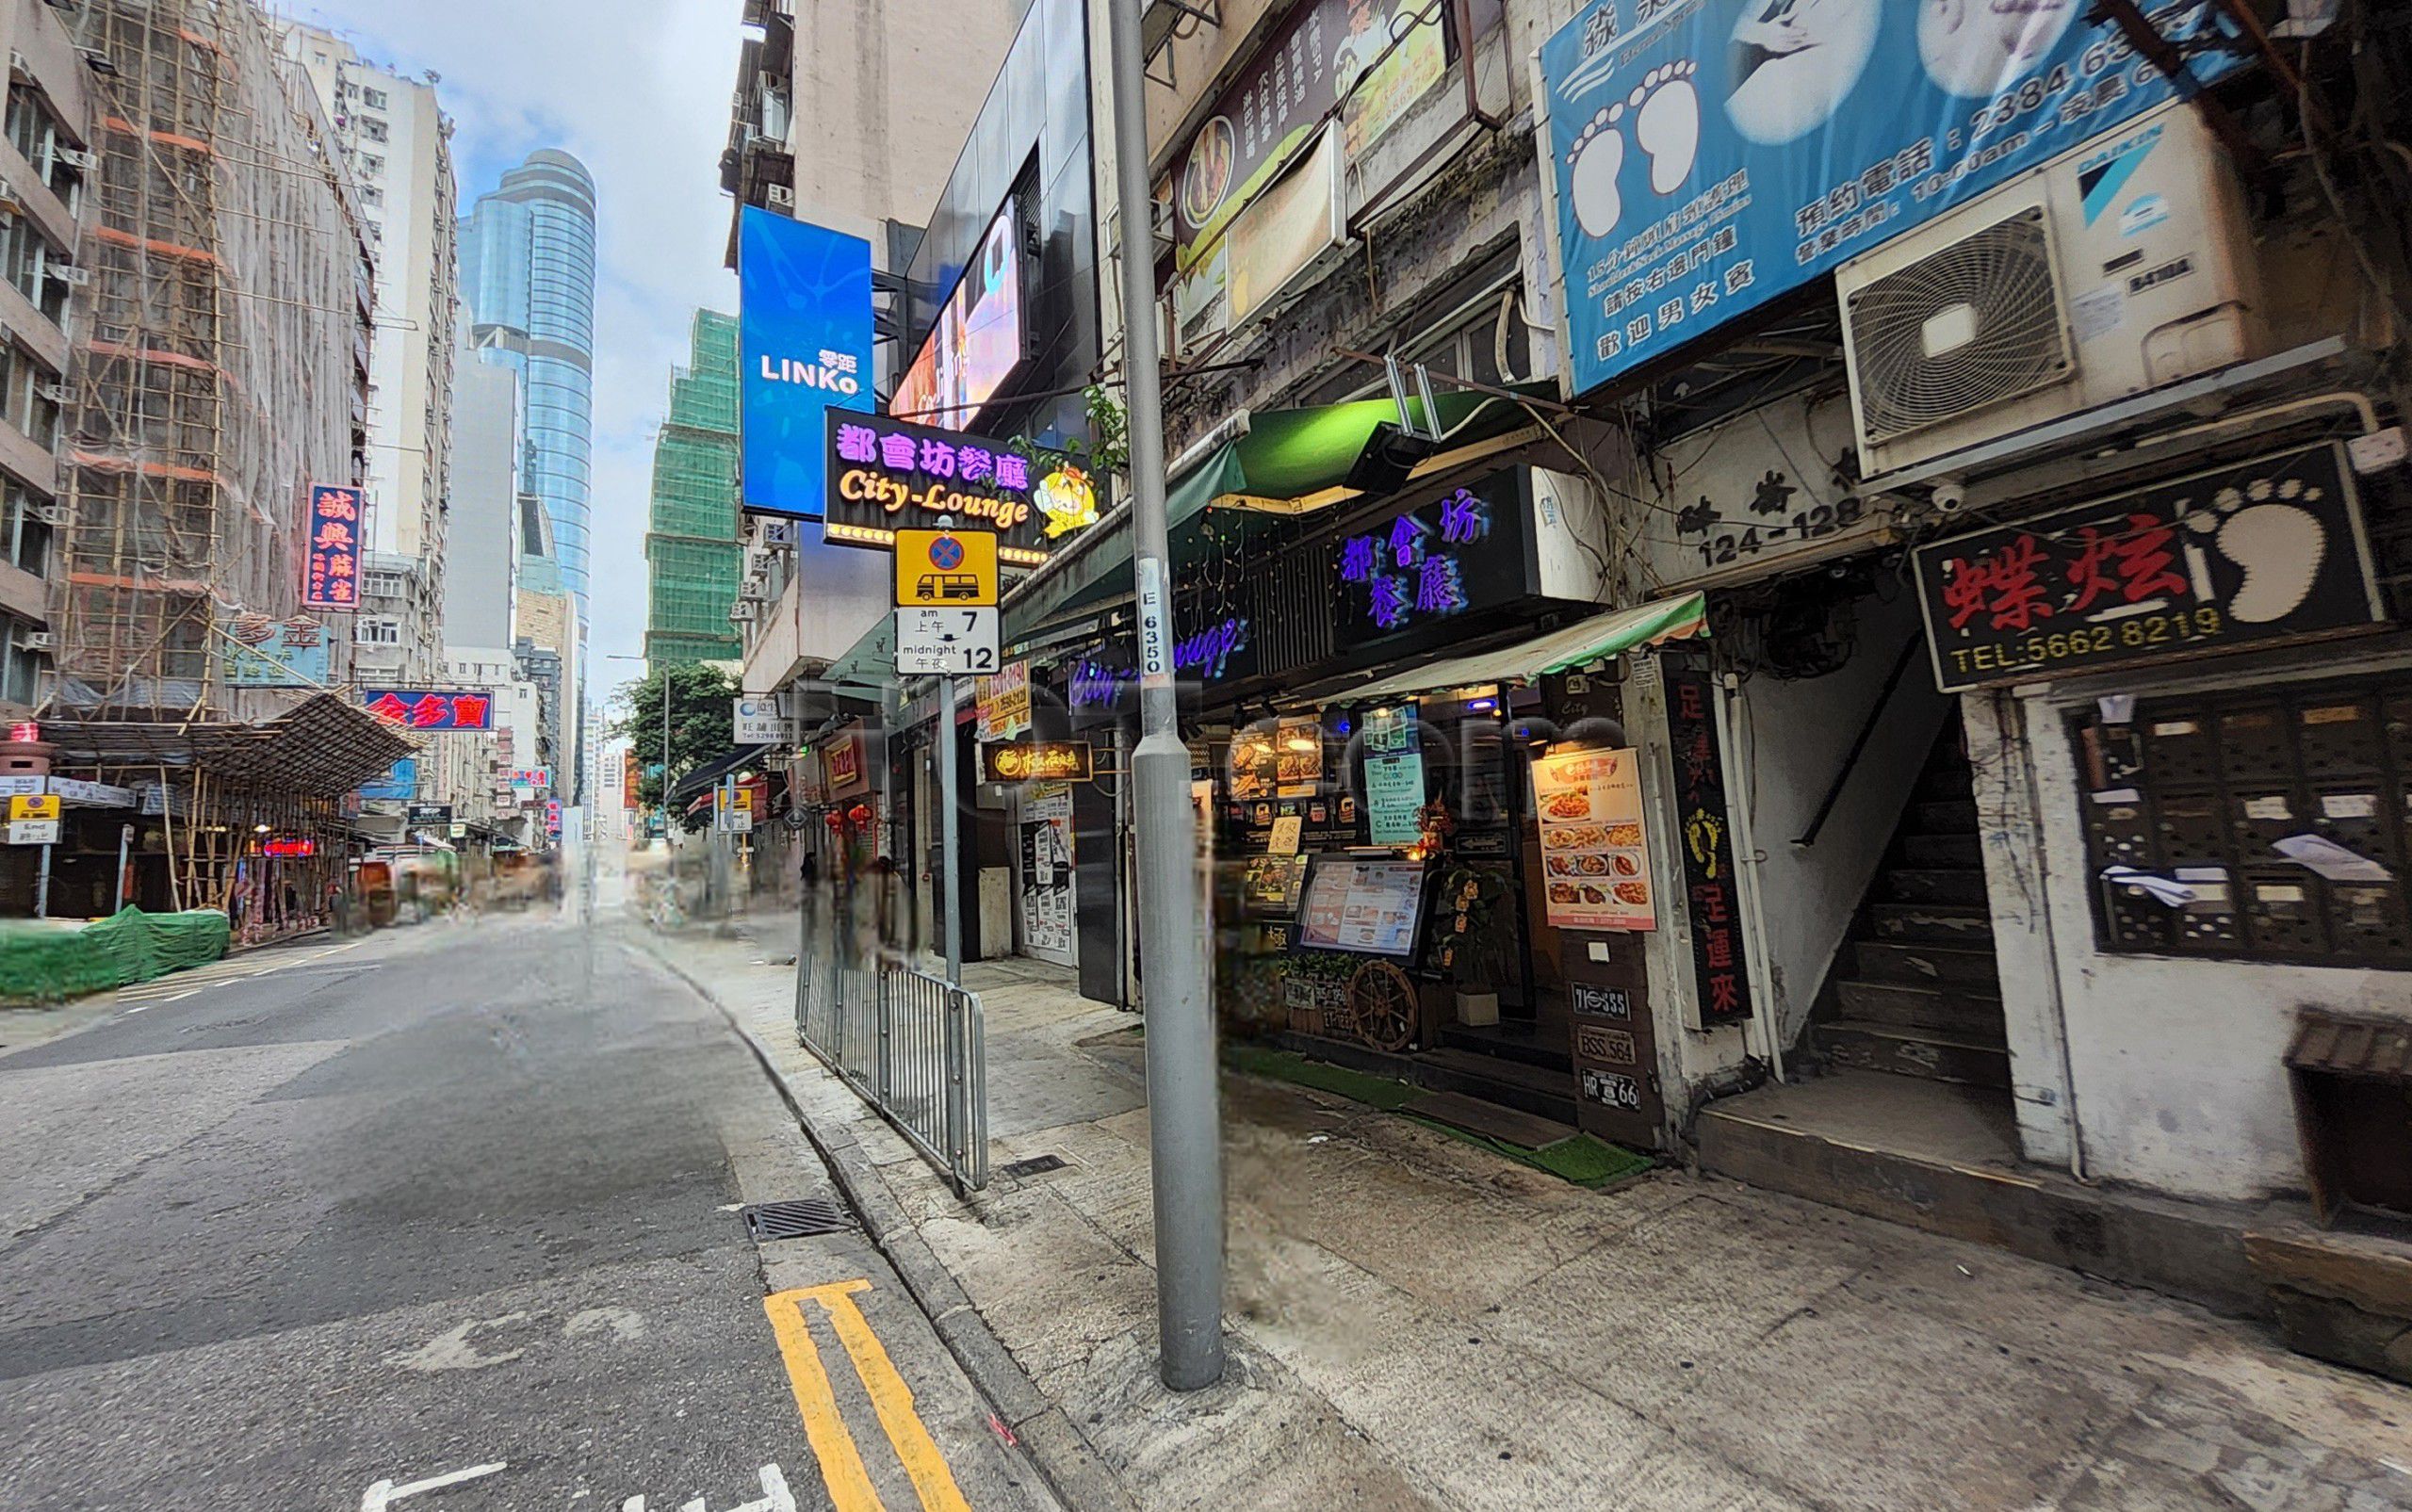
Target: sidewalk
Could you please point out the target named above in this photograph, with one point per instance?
(1418, 1322)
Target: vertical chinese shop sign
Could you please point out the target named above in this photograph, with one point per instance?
(330, 570)
(1704, 837)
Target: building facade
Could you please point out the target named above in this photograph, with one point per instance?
(694, 554)
(49, 163)
(481, 570)
(527, 277)
(396, 141)
(210, 558)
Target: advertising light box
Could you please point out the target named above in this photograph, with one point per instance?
(805, 348)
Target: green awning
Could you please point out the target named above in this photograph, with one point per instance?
(1294, 459)
(1578, 645)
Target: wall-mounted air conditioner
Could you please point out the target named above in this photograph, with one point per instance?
(69, 274)
(37, 640)
(779, 197)
(2121, 266)
(78, 159)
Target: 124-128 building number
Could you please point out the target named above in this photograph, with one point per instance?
(1809, 525)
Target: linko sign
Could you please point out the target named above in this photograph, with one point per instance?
(886, 475)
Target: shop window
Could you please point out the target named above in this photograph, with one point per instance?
(2266, 823)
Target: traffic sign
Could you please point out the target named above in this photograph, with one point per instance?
(25, 807)
(945, 640)
(949, 569)
(33, 832)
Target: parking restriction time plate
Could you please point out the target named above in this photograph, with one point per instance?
(943, 640)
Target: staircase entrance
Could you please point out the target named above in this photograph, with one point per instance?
(1904, 1110)
(1917, 992)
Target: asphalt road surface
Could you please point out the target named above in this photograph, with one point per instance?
(446, 1221)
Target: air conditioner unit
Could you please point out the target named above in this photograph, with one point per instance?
(50, 513)
(75, 158)
(72, 276)
(56, 392)
(779, 197)
(2123, 266)
(35, 640)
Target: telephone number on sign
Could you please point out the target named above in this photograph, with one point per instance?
(2141, 633)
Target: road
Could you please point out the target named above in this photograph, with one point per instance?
(446, 1221)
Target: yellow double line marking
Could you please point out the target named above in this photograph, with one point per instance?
(833, 1444)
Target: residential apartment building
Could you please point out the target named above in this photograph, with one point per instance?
(551, 646)
(528, 276)
(694, 554)
(395, 140)
(45, 168)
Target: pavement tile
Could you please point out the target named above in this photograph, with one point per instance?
(1675, 1342)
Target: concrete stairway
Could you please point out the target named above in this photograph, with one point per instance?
(1917, 992)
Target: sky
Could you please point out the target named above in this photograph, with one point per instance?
(638, 91)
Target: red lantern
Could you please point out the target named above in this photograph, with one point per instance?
(858, 816)
(834, 820)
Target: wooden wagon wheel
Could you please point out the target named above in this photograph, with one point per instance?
(1382, 1001)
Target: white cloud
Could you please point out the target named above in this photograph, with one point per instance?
(638, 91)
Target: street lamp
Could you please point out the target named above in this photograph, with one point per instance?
(665, 734)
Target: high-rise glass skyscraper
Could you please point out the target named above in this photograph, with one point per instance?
(528, 273)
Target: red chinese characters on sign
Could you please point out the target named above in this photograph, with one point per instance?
(2130, 563)
(432, 710)
(331, 571)
(2007, 586)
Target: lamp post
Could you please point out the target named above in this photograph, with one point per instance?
(1184, 1124)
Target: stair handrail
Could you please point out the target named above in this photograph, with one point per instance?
(1867, 732)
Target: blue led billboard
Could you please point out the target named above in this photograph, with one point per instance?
(804, 348)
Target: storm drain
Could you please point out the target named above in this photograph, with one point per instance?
(796, 1220)
(1036, 1165)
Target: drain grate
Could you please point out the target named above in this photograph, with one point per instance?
(796, 1220)
(1036, 1165)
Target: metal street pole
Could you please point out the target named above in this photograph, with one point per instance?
(124, 843)
(41, 887)
(950, 864)
(1184, 1122)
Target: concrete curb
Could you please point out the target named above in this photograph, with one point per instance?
(1062, 1456)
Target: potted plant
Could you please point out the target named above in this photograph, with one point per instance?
(1471, 956)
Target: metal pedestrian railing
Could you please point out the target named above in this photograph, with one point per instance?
(910, 1044)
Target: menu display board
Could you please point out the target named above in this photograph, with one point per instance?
(1299, 769)
(1393, 777)
(1365, 908)
(1252, 766)
(1595, 851)
(1273, 883)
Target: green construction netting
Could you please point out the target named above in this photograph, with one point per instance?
(50, 961)
(692, 551)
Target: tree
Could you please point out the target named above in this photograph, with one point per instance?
(700, 727)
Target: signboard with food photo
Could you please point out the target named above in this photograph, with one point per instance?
(1595, 853)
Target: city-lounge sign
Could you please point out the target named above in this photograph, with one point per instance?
(888, 475)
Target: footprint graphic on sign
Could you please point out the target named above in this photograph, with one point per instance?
(2263, 528)
(1665, 109)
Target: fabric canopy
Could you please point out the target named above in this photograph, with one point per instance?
(1578, 645)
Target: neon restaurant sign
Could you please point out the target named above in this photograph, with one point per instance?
(1416, 567)
(888, 475)
(1207, 655)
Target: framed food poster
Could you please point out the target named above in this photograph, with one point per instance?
(1595, 853)
(1299, 764)
(1370, 907)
